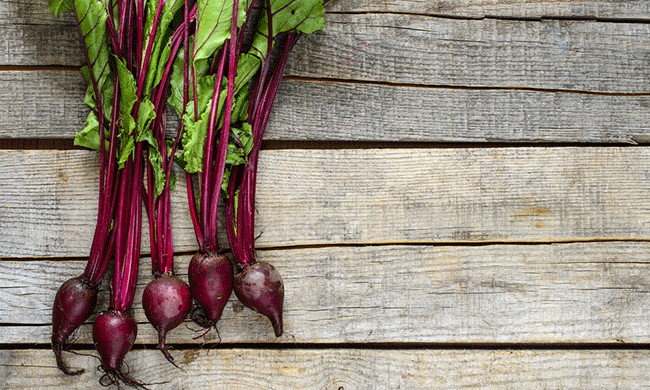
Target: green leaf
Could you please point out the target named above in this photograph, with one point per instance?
(172, 176)
(213, 24)
(194, 139)
(146, 114)
(246, 68)
(305, 16)
(107, 93)
(128, 97)
(240, 105)
(176, 84)
(89, 136)
(239, 155)
(161, 49)
(59, 6)
(92, 16)
(176, 98)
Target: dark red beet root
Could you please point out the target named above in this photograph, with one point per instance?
(74, 303)
(166, 302)
(210, 277)
(114, 334)
(260, 288)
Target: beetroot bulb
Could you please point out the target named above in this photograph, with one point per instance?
(166, 300)
(74, 303)
(228, 156)
(210, 275)
(115, 330)
(210, 272)
(260, 287)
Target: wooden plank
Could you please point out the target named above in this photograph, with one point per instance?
(31, 12)
(607, 10)
(31, 35)
(569, 293)
(362, 196)
(421, 50)
(35, 12)
(42, 104)
(415, 49)
(347, 369)
(46, 104)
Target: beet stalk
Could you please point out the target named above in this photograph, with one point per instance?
(210, 272)
(166, 300)
(115, 331)
(76, 299)
(258, 285)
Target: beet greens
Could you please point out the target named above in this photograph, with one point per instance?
(76, 299)
(199, 99)
(225, 123)
(166, 300)
(218, 64)
(128, 47)
(259, 285)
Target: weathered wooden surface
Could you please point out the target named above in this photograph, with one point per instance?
(52, 107)
(414, 49)
(387, 253)
(422, 50)
(362, 196)
(347, 369)
(636, 10)
(567, 293)
(33, 12)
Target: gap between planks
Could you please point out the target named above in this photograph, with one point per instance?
(457, 244)
(64, 68)
(622, 20)
(67, 144)
(372, 346)
(461, 87)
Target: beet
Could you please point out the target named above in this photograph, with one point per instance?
(166, 301)
(74, 303)
(114, 334)
(260, 288)
(210, 276)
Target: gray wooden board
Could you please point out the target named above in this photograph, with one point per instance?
(34, 12)
(415, 49)
(49, 104)
(634, 9)
(361, 196)
(41, 104)
(31, 35)
(561, 293)
(347, 369)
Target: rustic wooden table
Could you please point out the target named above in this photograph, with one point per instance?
(457, 194)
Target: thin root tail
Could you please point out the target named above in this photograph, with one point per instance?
(58, 354)
(117, 377)
(163, 348)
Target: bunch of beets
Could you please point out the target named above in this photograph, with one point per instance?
(218, 65)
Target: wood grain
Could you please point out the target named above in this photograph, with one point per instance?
(362, 196)
(348, 369)
(42, 104)
(49, 104)
(568, 293)
(32, 12)
(422, 50)
(415, 49)
(628, 10)
(31, 35)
